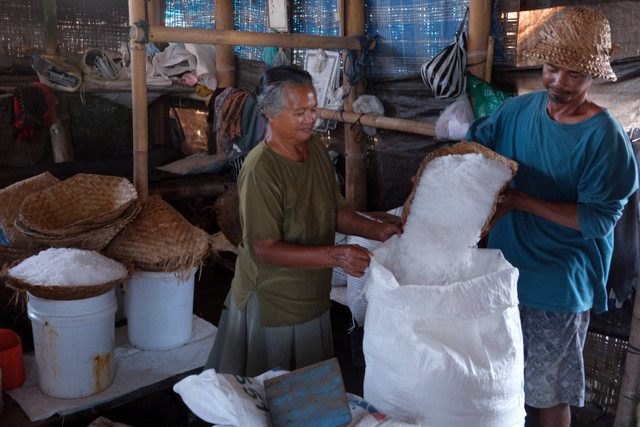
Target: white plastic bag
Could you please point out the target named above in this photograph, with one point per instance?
(445, 355)
(455, 120)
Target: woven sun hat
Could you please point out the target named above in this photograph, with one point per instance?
(579, 40)
(160, 239)
(11, 199)
(461, 148)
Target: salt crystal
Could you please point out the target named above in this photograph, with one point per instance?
(453, 201)
(68, 267)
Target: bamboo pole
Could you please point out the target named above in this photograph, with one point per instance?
(139, 103)
(49, 10)
(628, 410)
(382, 122)
(246, 38)
(225, 56)
(479, 28)
(354, 139)
(489, 62)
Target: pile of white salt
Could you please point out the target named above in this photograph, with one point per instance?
(453, 200)
(68, 267)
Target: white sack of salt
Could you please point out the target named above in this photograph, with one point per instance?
(68, 267)
(453, 200)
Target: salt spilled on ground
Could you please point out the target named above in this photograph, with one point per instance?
(453, 201)
(68, 267)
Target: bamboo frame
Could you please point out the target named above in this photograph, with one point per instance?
(382, 122)
(479, 28)
(354, 139)
(245, 38)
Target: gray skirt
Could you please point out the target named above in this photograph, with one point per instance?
(243, 347)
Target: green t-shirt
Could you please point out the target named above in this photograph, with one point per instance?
(296, 203)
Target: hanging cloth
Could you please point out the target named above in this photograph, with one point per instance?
(444, 73)
(34, 106)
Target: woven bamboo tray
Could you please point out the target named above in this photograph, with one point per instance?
(11, 199)
(95, 238)
(10, 254)
(464, 147)
(80, 202)
(63, 292)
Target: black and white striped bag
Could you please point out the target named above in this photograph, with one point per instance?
(444, 73)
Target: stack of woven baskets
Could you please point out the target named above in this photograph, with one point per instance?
(85, 211)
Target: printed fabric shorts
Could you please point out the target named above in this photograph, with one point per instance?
(553, 363)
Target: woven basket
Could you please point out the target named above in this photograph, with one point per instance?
(63, 292)
(464, 147)
(10, 254)
(95, 238)
(226, 209)
(160, 239)
(11, 199)
(81, 202)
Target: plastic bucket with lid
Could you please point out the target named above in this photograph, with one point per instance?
(159, 308)
(74, 344)
(11, 362)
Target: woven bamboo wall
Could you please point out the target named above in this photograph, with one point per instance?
(81, 24)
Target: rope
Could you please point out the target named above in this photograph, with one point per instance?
(357, 122)
(140, 23)
(355, 68)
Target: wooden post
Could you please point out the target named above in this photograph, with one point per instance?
(139, 101)
(50, 28)
(479, 28)
(161, 124)
(225, 57)
(628, 410)
(355, 151)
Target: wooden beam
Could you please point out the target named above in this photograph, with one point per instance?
(139, 105)
(245, 38)
(225, 56)
(479, 28)
(49, 10)
(354, 138)
(382, 122)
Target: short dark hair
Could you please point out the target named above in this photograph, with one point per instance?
(268, 93)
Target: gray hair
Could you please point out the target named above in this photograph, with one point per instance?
(268, 93)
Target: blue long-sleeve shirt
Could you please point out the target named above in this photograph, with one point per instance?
(590, 163)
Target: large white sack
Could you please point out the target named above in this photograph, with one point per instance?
(445, 355)
(356, 299)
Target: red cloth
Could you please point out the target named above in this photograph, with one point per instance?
(34, 106)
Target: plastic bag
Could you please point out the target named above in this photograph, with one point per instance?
(485, 97)
(101, 64)
(368, 104)
(57, 74)
(455, 120)
(444, 73)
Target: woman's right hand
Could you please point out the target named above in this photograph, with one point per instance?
(353, 259)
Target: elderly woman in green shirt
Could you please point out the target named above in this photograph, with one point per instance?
(290, 210)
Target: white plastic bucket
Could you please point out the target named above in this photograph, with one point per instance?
(74, 344)
(159, 309)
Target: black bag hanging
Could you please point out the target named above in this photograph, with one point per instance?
(444, 73)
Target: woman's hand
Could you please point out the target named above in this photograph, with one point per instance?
(385, 230)
(353, 259)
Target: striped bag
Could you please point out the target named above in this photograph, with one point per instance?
(444, 73)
